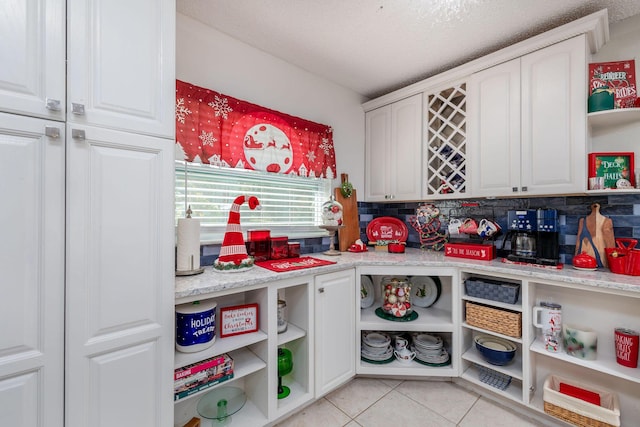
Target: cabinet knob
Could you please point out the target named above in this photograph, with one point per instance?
(78, 134)
(52, 131)
(321, 290)
(514, 189)
(77, 109)
(53, 104)
(524, 189)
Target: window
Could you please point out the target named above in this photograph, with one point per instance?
(291, 205)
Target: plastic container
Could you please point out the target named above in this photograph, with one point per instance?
(195, 326)
(279, 247)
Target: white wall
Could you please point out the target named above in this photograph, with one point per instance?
(624, 43)
(211, 59)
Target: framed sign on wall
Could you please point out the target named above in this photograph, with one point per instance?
(239, 319)
(616, 168)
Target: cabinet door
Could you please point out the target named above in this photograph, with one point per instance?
(335, 330)
(377, 146)
(120, 279)
(554, 118)
(406, 149)
(121, 64)
(32, 48)
(32, 265)
(494, 130)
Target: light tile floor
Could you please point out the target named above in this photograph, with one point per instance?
(370, 402)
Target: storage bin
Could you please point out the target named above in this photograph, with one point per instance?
(577, 411)
(494, 319)
(494, 290)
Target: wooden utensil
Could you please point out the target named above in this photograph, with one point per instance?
(595, 233)
(348, 234)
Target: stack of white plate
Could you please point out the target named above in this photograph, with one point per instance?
(429, 349)
(376, 346)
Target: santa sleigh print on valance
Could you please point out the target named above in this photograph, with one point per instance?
(223, 131)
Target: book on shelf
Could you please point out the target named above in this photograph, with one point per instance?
(196, 367)
(209, 375)
(199, 388)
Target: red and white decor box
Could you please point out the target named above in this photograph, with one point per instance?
(470, 250)
(618, 76)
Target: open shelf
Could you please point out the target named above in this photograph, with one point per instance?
(514, 369)
(615, 117)
(512, 392)
(429, 319)
(221, 346)
(291, 334)
(604, 364)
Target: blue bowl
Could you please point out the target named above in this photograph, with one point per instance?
(494, 350)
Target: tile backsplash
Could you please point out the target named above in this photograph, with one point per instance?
(624, 211)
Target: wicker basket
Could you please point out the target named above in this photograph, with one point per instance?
(576, 411)
(494, 319)
(492, 289)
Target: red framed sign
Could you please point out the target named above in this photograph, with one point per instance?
(238, 319)
(614, 167)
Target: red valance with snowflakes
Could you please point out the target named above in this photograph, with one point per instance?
(220, 130)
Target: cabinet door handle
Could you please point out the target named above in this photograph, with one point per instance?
(524, 188)
(53, 104)
(77, 109)
(78, 134)
(514, 189)
(321, 290)
(52, 131)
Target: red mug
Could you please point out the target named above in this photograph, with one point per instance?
(627, 347)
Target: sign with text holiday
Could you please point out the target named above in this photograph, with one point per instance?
(618, 76)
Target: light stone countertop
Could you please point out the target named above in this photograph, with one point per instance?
(189, 288)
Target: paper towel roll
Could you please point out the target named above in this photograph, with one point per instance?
(188, 244)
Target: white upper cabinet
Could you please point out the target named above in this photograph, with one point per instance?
(121, 65)
(32, 48)
(527, 125)
(393, 151)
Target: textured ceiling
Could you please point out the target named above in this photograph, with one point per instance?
(376, 46)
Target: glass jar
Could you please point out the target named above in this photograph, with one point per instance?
(396, 296)
(332, 212)
(282, 316)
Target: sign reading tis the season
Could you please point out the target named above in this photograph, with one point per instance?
(239, 319)
(619, 76)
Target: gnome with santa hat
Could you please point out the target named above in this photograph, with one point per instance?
(233, 253)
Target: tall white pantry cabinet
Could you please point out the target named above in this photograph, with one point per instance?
(87, 255)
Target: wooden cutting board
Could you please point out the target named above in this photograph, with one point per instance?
(600, 228)
(348, 234)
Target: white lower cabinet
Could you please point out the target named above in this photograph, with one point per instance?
(335, 302)
(598, 309)
(32, 264)
(119, 278)
(255, 354)
(437, 318)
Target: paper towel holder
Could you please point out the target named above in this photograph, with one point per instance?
(192, 271)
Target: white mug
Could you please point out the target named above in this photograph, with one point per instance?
(454, 227)
(548, 317)
(487, 228)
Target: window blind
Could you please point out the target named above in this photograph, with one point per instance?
(291, 205)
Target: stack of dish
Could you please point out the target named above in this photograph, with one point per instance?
(430, 350)
(376, 347)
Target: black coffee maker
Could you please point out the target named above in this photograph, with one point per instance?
(532, 237)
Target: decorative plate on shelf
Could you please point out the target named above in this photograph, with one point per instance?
(387, 228)
(425, 290)
(367, 292)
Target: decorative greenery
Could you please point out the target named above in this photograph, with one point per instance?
(346, 189)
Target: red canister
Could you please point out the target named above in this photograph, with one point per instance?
(279, 247)
(627, 342)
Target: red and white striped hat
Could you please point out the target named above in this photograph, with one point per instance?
(233, 248)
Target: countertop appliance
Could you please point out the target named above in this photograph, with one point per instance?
(533, 236)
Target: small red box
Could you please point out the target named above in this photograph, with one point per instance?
(470, 250)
